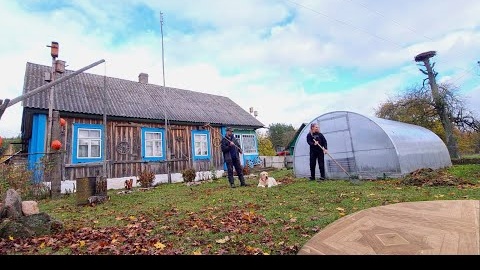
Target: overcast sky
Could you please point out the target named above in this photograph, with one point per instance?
(292, 61)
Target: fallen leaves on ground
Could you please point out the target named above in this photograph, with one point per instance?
(159, 245)
(341, 211)
(286, 180)
(149, 235)
(223, 240)
(133, 238)
(430, 177)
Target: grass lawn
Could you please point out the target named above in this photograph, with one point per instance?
(213, 218)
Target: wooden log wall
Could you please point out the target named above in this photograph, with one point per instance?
(129, 162)
(72, 173)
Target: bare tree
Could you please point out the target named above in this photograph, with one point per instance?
(416, 105)
(439, 101)
(412, 106)
(463, 118)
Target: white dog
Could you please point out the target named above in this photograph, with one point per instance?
(266, 181)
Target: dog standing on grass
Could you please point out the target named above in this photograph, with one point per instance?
(266, 181)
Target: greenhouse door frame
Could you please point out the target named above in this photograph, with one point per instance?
(348, 163)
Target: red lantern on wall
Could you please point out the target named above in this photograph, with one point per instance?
(1, 141)
(56, 145)
(63, 122)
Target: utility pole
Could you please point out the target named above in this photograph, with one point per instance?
(439, 101)
(167, 152)
(55, 159)
(105, 128)
(54, 48)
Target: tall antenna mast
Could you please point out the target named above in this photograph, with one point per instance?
(165, 104)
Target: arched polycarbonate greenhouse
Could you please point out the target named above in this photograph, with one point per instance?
(371, 147)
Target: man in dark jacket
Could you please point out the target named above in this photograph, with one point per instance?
(231, 149)
(318, 149)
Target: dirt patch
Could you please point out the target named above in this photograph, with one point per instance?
(430, 177)
(286, 180)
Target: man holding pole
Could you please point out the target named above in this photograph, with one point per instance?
(231, 149)
(318, 149)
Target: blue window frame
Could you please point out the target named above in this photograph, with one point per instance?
(87, 143)
(201, 144)
(153, 144)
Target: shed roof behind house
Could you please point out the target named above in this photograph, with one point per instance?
(84, 94)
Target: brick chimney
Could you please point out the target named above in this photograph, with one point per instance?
(143, 78)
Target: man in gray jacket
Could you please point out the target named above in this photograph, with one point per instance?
(231, 150)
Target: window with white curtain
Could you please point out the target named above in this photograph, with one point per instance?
(153, 144)
(249, 144)
(201, 145)
(89, 143)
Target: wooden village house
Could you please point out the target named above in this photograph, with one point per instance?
(135, 136)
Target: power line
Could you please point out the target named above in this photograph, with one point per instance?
(386, 17)
(368, 32)
(465, 72)
(469, 71)
(345, 23)
(165, 100)
(404, 26)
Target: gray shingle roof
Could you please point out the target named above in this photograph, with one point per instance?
(84, 94)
